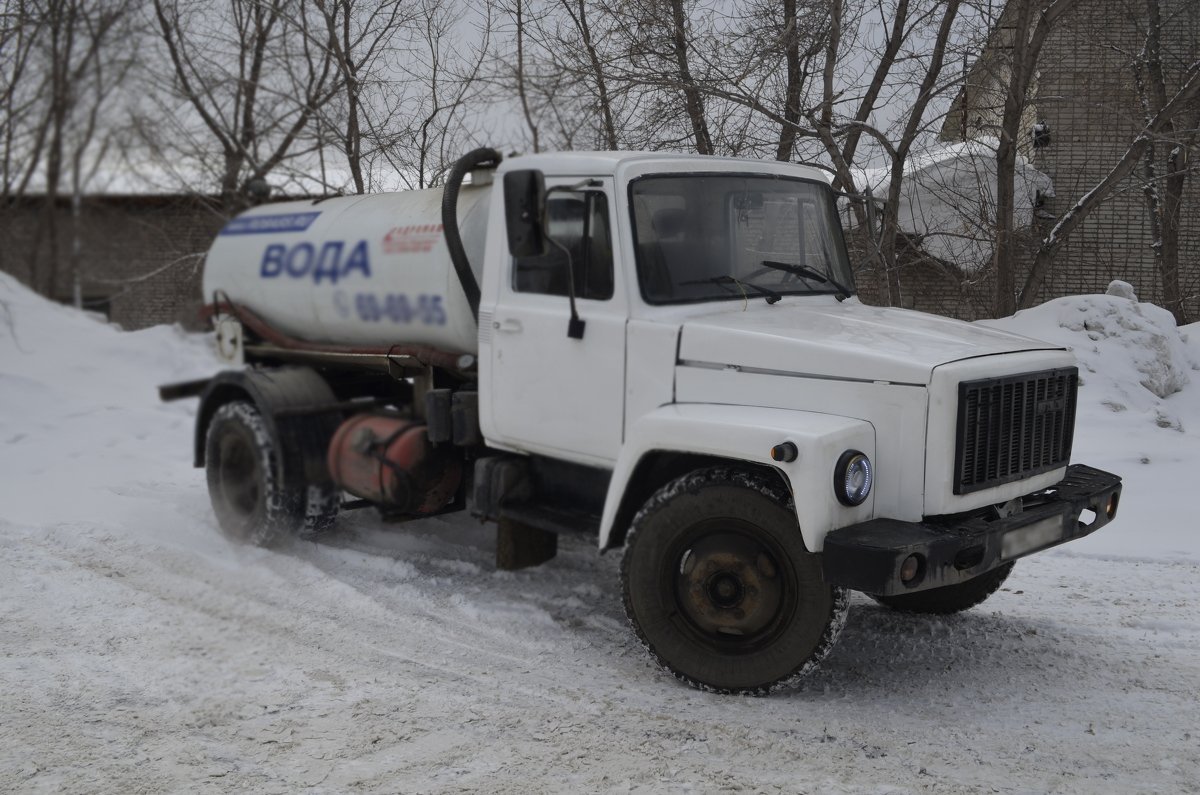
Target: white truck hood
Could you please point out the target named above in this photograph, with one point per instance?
(848, 340)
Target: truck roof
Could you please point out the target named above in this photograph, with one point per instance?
(610, 163)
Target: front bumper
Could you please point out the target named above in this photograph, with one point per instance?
(951, 549)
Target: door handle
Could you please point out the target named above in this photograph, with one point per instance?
(509, 326)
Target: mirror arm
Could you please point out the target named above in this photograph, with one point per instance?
(578, 186)
(576, 324)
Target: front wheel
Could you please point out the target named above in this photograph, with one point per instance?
(720, 588)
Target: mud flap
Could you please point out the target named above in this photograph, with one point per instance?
(519, 546)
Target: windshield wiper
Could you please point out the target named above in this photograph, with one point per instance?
(804, 271)
(725, 280)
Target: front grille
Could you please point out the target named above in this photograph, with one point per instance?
(1013, 427)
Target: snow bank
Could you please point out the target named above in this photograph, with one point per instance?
(948, 198)
(80, 419)
(1132, 352)
(1139, 413)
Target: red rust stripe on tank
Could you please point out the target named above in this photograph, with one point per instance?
(432, 357)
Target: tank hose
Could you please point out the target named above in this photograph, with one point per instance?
(478, 158)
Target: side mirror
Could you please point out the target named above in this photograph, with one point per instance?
(524, 206)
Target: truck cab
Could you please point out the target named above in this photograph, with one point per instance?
(669, 353)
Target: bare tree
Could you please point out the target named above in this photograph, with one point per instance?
(23, 133)
(426, 112)
(842, 134)
(1164, 183)
(518, 11)
(842, 150)
(362, 37)
(87, 141)
(578, 12)
(693, 100)
(63, 50)
(22, 93)
(1025, 24)
(546, 61)
(741, 81)
(800, 46)
(253, 84)
(555, 58)
(660, 42)
(674, 74)
(756, 65)
(1004, 88)
(1183, 100)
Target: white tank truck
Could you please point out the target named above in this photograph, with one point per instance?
(662, 350)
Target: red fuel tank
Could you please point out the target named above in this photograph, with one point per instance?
(390, 461)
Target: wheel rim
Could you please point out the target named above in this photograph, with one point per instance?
(731, 587)
(239, 478)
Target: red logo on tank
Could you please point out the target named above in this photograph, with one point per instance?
(416, 239)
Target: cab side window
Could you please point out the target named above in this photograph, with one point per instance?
(579, 224)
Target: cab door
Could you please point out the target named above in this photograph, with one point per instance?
(551, 393)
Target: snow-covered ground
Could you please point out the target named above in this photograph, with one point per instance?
(143, 652)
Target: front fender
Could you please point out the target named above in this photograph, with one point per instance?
(743, 433)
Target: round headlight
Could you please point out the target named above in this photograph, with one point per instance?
(853, 478)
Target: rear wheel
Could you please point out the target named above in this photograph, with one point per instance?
(720, 588)
(949, 598)
(251, 501)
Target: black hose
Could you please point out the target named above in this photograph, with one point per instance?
(478, 158)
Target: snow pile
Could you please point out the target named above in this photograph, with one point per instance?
(80, 419)
(1132, 350)
(948, 198)
(1131, 355)
(1139, 411)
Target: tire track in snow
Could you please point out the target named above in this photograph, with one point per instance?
(415, 677)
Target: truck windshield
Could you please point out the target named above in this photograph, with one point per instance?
(707, 237)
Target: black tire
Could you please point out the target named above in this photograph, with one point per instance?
(251, 501)
(950, 598)
(720, 589)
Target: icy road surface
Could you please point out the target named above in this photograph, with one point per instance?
(142, 652)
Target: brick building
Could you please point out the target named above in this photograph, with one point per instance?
(1086, 106)
(138, 257)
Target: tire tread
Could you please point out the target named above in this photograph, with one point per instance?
(693, 483)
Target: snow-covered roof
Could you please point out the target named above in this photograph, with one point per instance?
(948, 198)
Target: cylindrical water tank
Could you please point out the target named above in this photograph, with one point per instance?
(363, 271)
